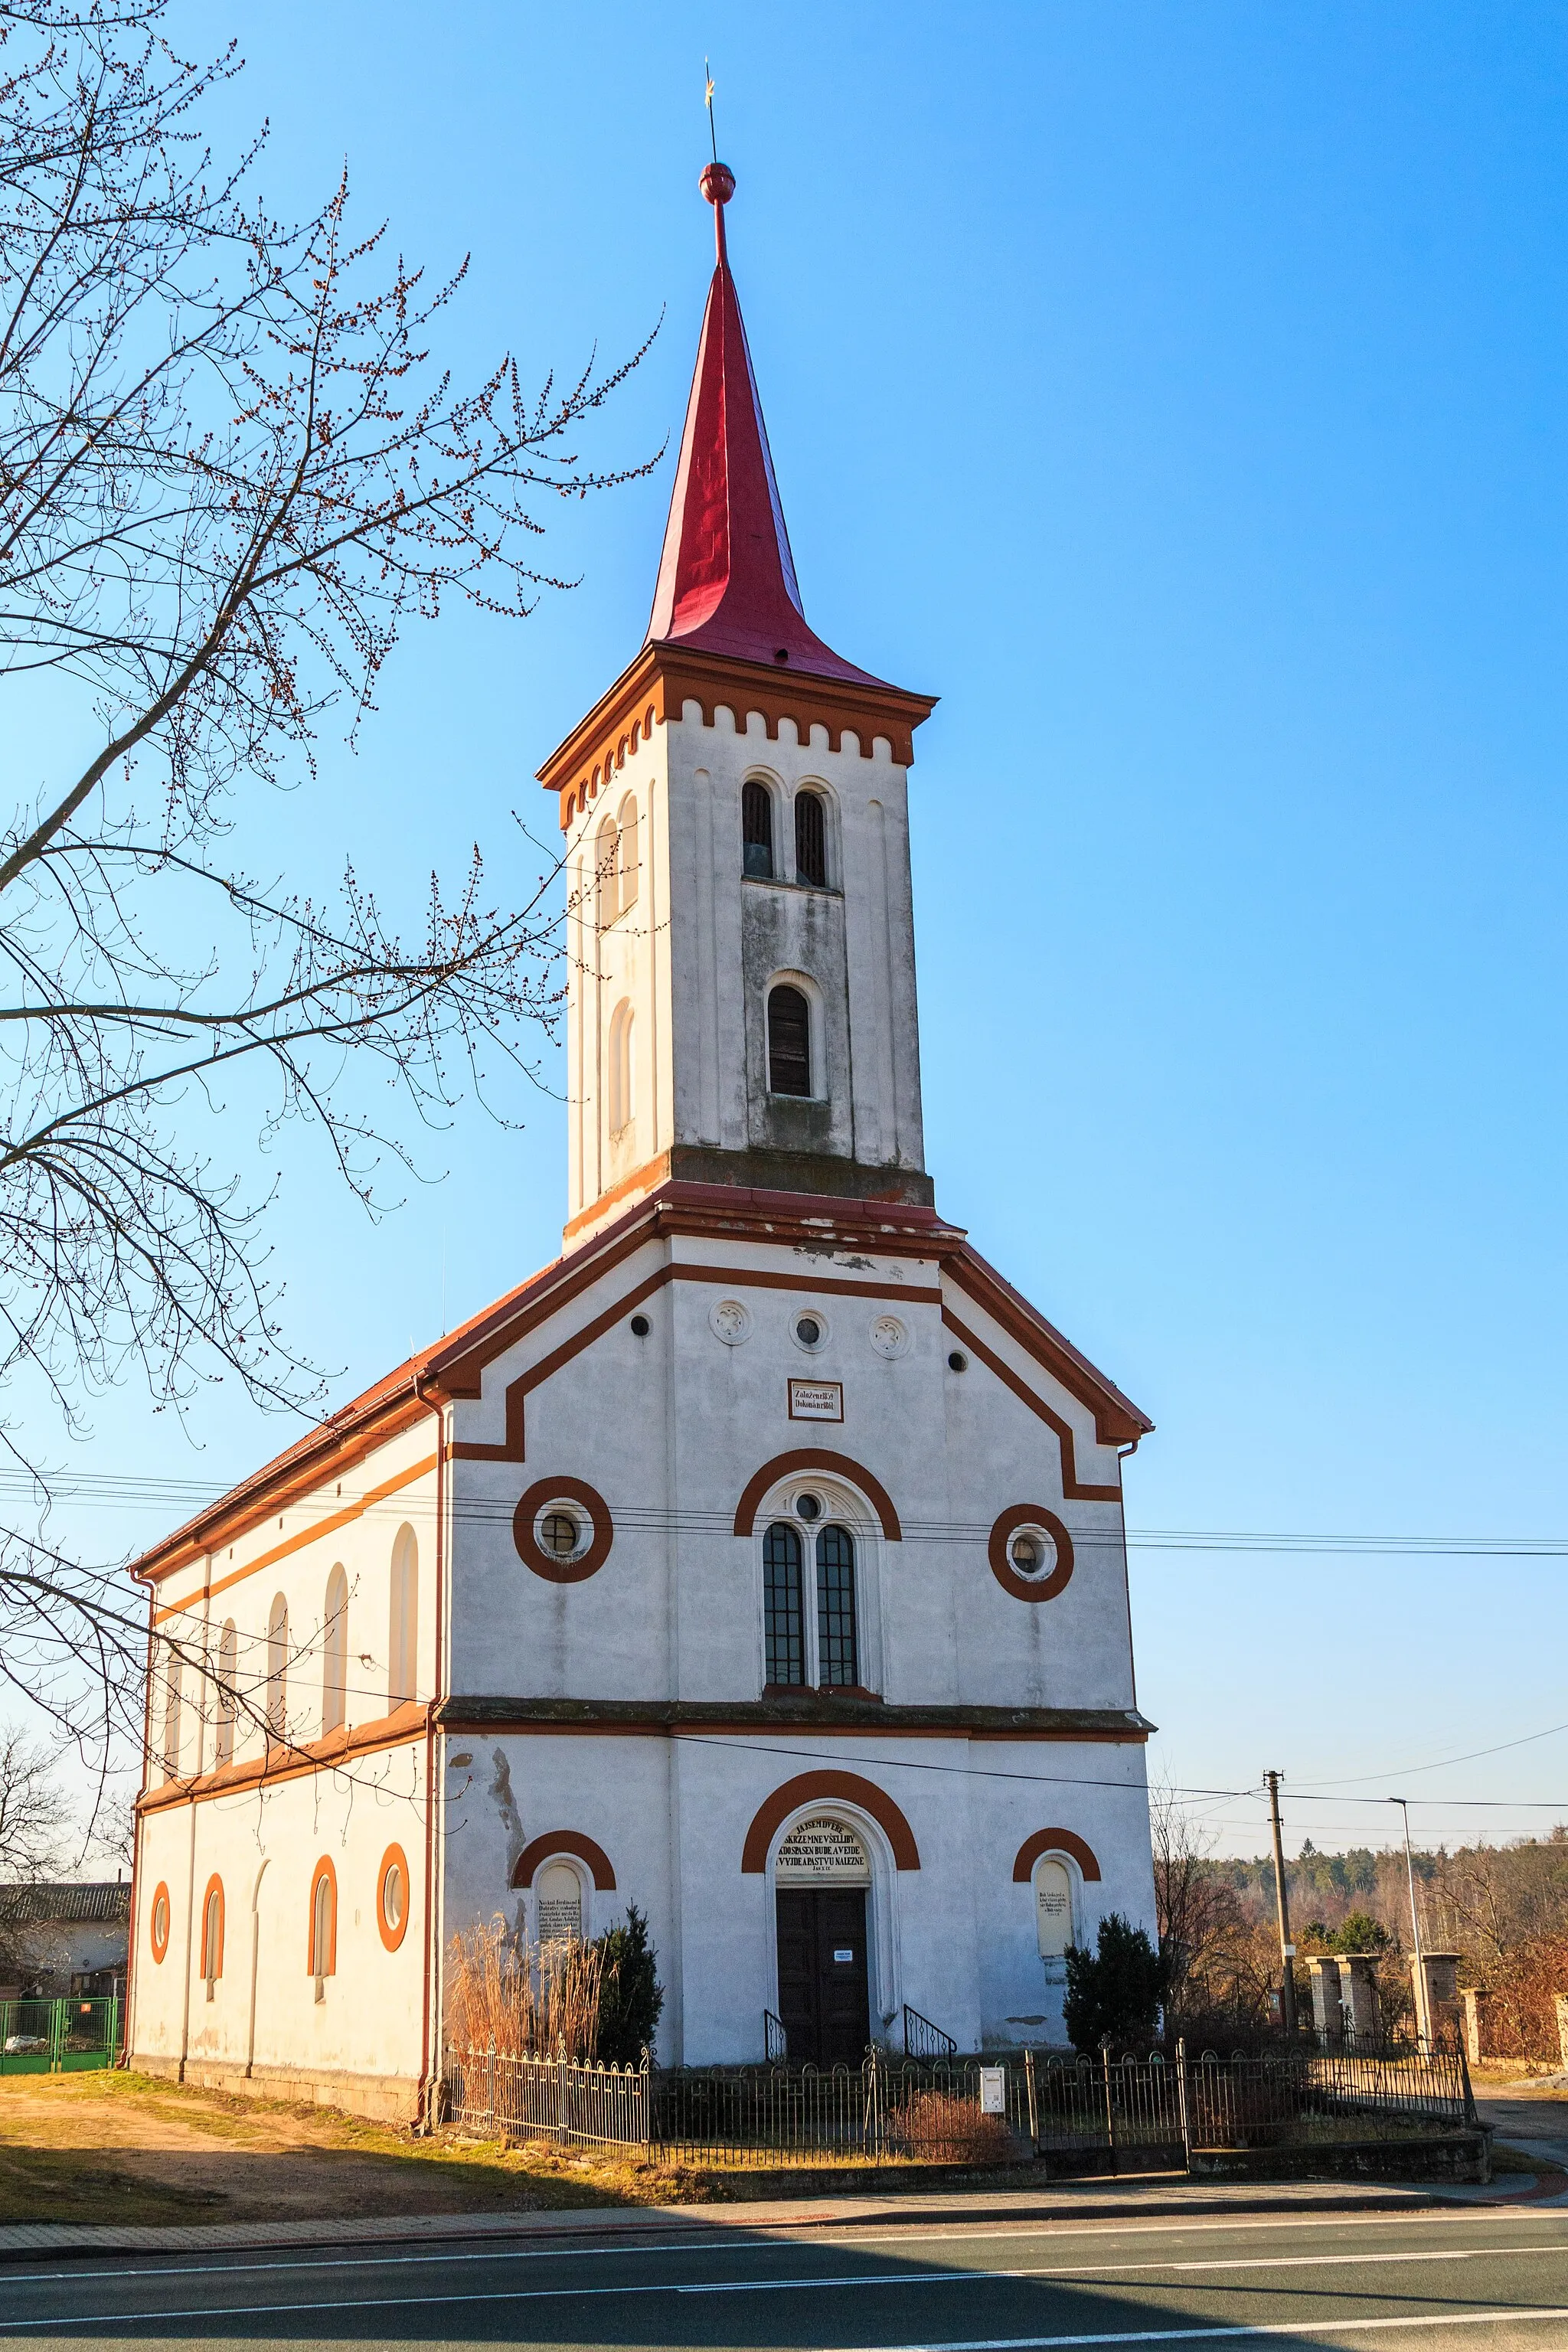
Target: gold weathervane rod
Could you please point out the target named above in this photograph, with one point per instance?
(708, 102)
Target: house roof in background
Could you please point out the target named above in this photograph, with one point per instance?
(61, 1904)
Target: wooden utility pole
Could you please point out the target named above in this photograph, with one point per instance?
(1283, 1904)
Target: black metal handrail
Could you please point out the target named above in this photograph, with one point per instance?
(776, 2040)
(924, 2040)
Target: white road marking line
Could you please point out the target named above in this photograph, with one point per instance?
(1215, 2335)
(753, 2286)
(1098, 2270)
(760, 2240)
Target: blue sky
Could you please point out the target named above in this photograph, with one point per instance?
(1178, 391)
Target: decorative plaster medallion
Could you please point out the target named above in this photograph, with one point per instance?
(730, 1320)
(890, 1337)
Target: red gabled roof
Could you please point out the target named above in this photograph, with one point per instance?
(726, 578)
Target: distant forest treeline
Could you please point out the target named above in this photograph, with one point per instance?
(1502, 1908)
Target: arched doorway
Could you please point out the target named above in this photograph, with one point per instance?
(822, 1877)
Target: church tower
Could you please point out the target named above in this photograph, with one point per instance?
(740, 938)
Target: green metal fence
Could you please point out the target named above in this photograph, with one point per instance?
(58, 2037)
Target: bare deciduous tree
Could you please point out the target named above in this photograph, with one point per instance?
(36, 1823)
(229, 471)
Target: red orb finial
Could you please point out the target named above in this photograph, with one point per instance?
(717, 184)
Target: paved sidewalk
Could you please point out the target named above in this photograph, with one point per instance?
(1164, 2198)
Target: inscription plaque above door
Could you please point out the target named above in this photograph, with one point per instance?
(822, 1853)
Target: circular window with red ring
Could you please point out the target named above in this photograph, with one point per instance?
(1030, 1552)
(562, 1531)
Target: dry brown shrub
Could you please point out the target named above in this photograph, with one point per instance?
(1524, 1983)
(938, 2129)
(531, 1999)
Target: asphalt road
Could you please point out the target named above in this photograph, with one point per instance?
(1457, 2278)
(1533, 2121)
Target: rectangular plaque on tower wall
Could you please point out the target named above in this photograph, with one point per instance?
(816, 1400)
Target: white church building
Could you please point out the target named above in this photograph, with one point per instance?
(760, 1561)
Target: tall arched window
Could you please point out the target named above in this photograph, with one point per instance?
(789, 1041)
(621, 1105)
(173, 1726)
(757, 830)
(212, 1936)
(335, 1653)
(838, 1658)
(811, 839)
(782, 1616)
(627, 860)
(607, 861)
(322, 1960)
(227, 1706)
(277, 1666)
(402, 1647)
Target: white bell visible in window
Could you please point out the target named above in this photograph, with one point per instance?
(558, 1894)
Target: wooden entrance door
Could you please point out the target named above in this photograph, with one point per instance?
(823, 1998)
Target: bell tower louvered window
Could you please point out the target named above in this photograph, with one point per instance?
(757, 830)
(789, 1041)
(811, 840)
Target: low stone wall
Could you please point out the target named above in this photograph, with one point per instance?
(1456, 2156)
(379, 2098)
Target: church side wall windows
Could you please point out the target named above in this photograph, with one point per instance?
(757, 830)
(277, 1667)
(782, 1614)
(335, 1653)
(621, 1103)
(789, 1041)
(228, 1702)
(403, 1629)
(173, 1727)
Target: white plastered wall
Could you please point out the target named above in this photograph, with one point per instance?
(362, 2043)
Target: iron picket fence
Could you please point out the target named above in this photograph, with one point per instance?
(501, 2097)
(1136, 2113)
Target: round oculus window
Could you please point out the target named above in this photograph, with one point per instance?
(809, 1329)
(1030, 1552)
(1033, 1551)
(562, 1531)
(391, 1897)
(159, 1923)
(808, 1506)
(559, 1533)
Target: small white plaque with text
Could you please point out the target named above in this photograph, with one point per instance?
(816, 1400)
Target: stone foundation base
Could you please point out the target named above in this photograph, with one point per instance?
(380, 2098)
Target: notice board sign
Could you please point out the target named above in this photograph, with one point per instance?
(816, 1400)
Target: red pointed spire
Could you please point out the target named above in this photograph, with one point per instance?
(726, 579)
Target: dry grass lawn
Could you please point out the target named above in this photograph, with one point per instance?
(124, 2147)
